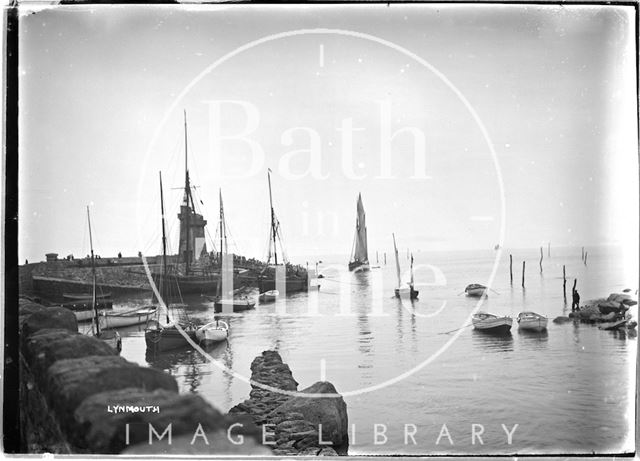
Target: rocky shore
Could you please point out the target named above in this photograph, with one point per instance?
(615, 307)
(298, 425)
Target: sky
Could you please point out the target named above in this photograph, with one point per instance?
(437, 114)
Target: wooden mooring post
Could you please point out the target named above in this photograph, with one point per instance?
(385, 258)
(541, 256)
(564, 282)
(586, 253)
(511, 268)
(523, 262)
(583, 253)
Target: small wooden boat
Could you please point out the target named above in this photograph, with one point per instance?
(476, 290)
(490, 323)
(232, 305)
(161, 338)
(87, 315)
(401, 291)
(125, 319)
(213, 332)
(532, 321)
(84, 296)
(622, 323)
(269, 296)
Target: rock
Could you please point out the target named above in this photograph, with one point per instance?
(626, 290)
(330, 412)
(49, 318)
(562, 319)
(26, 308)
(104, 432)
(618, 297)
(629, 302)
(327, 452)
(70, 381)
(45, 347)
(218, 445)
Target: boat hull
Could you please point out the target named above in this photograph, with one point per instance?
(125, 319)
(269, 296)
(358, 266)
(532, 323)
(188, 284)
(213, 332)
(291, 285)
(476, 292)
(166, 339)
(498, 325)
(227, 306)
(406, 293)
(86, 316)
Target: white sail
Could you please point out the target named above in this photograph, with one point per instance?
(395, 250)
(360, 252)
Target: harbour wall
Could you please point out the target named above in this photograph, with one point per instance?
(68, 382)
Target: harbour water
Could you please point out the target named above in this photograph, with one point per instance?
(414, 368)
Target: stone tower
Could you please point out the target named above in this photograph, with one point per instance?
(197, 244)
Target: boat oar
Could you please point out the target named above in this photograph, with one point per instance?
(494, 291)
(447, 332)
(461, 293)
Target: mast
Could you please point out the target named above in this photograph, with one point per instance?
(163, 288)
(187, 194)
(273, 219)
(395, 250)
(411, 282)
(93, 276)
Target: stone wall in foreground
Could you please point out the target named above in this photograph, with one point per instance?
(69, 382)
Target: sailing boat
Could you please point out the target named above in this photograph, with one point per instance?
(160, 337)
(400, 291)
(196, 277)
(112, 338)
(359, 256)
(296, 277)
(220, 303)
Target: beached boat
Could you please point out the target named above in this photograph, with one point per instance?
(476, 290)
(402, 291)
(112, 338)
(532, 321)
(359, 260)
(213, 332)
(294, 278)
(621, 323)
(109, 320)
(490, 323)
(269, 296)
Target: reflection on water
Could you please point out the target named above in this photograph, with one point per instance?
(493, 342)
(566, 372)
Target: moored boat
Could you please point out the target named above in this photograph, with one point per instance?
(160, 338)
(476, 290)
(402, 291)
(532, 321)
(281, 276)
(489, 323)
(269, 296)
(359, 260)
(213, 332)
(112, 338)
(109, 320)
